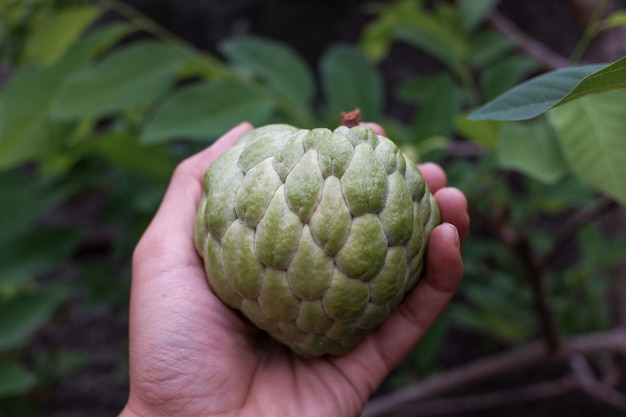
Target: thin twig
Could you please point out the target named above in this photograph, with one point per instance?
(550, 59)
(142, 22)
(504, 398)
(594, 388)
(534, 275)
(590, 31)
(573, 226)
(532, 272)
(529, 356)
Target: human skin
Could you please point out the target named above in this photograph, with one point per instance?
(190, 355)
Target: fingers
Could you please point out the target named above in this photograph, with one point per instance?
(434, 176)
(393, 340)
(425, 303)
(453, 207)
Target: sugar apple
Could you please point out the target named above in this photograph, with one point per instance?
(314, 235)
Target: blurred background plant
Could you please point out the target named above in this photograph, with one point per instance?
(99, 102)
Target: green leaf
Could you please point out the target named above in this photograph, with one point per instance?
(426, 29)
(488, 47)
(35, 252)
(614, 20)
(474, 12)
(542, 93)
(52, 37)
(499, 308)
(378, 35)
(591, 134)
(285, 71)
(131, 77)
(205, 111)
(532, 149)
(437, 113)
(94, 43)
(26, 129)
(608, 79)
(17, 212)
(422, 89)
(23, 313)
(430, 36)
(482, 132)
(350, 81)
(15, 379)
(123, 149)
(505, 74)
(533, 97)
(598, 252)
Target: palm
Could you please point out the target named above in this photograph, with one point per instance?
(207, 351)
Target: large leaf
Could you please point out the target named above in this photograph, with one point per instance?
(378, 35)
(132, 77)
(26, 129)
(31, 253)
(610, 78)
(474, 12)
(435, 39)
(15, 379)
(535, 96)
(482, 132)
(411, 22)
(18, 214)
(350, 81)
(505, 74)
(23, 313)
(532, 149)
(205, 111)
(488, 47)
(52, 37)
(542, 93)
(124, 150)
(439, 104)
(591, 133)
(285, 71)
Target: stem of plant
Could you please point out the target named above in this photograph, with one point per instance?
(532, 272)
(535, 276)
(589, 33)
(213, 64)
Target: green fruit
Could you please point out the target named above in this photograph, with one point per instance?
(314, 235)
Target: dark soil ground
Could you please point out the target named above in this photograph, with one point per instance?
(310, 26)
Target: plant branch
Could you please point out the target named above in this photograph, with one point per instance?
(550, 59)
(532, 273)
(535, 277)
(213, 64)
(581, 379)
(472, 403)
(589, 384)
(590, 31)
(600, 46)
(533, 354)
(573, 226)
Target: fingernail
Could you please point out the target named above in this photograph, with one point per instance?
(457, 239)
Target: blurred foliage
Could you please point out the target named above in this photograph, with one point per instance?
(96, 111)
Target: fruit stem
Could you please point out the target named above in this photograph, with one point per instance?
(351, 118)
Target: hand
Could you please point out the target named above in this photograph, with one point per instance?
(190, 355)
